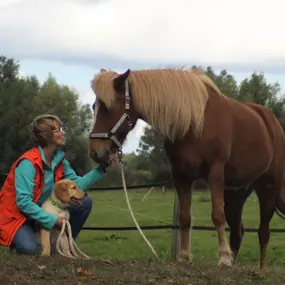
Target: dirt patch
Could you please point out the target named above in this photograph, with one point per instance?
(23, 270)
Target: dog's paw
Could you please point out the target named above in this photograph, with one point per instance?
(67, 253)
(45, 253)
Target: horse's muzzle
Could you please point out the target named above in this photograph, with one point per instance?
(100, 156)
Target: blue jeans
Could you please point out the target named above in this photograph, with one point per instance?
(25, 240)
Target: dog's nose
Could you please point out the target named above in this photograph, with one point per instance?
(85, 194)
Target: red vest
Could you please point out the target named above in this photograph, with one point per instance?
(11, 218)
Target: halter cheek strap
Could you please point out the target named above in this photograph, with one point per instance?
(111, 134)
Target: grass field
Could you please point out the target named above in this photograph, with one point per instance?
(122, 257)
(110, 209)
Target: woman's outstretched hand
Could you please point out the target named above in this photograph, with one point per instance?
(112, 158)
(105, 164)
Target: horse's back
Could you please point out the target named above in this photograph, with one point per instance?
(272, 124)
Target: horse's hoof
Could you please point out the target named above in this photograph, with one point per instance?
(184, 258)
(226, 260)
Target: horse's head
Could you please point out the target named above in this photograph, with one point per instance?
(114, 115)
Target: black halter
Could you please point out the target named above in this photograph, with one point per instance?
(126, 115)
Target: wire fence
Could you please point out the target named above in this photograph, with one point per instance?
(173, 227)
(131, 187)
(160, 227)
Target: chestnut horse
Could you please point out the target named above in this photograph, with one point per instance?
(229, 144)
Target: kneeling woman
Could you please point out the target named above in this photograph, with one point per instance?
(31, 181)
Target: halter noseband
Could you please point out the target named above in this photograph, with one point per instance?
(111, 134)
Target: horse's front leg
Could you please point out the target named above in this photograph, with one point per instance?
(216, 181)
(183, 188)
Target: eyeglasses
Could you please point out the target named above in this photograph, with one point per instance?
(58, 130)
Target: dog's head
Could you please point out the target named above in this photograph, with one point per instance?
(68, 192)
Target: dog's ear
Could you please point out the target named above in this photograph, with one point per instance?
(62, 193)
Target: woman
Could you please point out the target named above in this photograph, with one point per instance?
(31, 181)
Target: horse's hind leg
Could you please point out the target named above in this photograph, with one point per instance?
(267, 204)
(216, 181)
(234, 202)
(183, 188)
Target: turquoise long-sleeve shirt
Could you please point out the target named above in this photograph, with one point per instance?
(24, 184)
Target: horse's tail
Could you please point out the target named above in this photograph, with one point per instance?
(280, 205)
(279, 213)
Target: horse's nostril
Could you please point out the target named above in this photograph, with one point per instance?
(93, 155)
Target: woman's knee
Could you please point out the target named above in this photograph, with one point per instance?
(25, 241)
(29, 247)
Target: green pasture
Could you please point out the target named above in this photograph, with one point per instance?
(110, 209)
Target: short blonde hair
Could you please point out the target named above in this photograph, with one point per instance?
(42, 128)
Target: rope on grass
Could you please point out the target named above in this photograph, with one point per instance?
(147, 194)
(131, 211)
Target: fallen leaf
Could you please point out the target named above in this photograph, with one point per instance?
(82, 271)
(107, 261)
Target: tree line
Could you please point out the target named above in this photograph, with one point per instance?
(24, 97)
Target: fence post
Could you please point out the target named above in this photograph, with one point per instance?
(175, 242)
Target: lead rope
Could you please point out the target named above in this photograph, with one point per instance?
(120, 155)
(72, 243)
(71, 240)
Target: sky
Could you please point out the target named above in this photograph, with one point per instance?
(73, 39)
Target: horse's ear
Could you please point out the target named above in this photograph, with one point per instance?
(103, 70)
(119, 82)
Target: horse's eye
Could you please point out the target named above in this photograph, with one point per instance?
(104, 108)
(101, 104)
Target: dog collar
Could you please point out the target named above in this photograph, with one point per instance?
(54, 203)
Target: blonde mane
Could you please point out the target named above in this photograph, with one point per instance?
(170, 100)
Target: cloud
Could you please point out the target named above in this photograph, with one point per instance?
(4, 3)
(138, 34)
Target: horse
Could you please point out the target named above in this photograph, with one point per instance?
(207, 135)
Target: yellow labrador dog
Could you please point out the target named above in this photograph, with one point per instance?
(65, 193)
